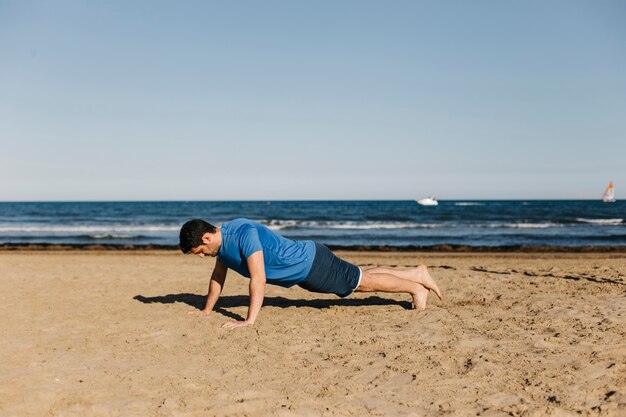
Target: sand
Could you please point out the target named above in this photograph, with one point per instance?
(107, 334)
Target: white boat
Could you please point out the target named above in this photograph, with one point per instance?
(430, 201)
(609, 194)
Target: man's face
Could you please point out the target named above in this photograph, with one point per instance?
(203, 250)
(210, 246)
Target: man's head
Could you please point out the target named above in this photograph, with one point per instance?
(200, 238)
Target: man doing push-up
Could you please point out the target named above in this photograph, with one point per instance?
(264, 256)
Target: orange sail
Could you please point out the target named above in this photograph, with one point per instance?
(609, 194)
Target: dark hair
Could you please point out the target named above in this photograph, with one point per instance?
(191, 234)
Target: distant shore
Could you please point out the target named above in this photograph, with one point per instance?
(357, 248)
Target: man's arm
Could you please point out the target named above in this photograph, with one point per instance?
(215, 288)
(256, 266)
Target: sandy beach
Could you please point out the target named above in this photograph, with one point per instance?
(98, 333)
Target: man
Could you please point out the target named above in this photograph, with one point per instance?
(264, 256)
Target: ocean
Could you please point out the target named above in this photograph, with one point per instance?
(335, 223)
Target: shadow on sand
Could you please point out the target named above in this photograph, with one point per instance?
(229, 301)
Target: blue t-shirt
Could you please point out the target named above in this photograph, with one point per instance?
(287, 262)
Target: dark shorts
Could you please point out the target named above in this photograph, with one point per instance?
(330, 274)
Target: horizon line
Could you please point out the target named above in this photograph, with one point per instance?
(288, 200)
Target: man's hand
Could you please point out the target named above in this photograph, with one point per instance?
(234, 324)
(199, 313)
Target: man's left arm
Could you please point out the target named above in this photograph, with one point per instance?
(256, 266)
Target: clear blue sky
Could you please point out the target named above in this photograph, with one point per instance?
(311, 99)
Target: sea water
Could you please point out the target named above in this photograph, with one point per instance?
(341, 223)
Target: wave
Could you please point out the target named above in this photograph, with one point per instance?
(89, 229)
(279, 224)
(605, 222)
(606, 238)
(113, 236)
(525, 225)
(468, 203)
(83, 239)
(349, 225)
(378, 225)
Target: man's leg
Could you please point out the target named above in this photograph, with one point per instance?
(418, 274)
(390, 283)
(416, 281)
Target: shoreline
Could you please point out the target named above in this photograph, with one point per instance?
(448, 248)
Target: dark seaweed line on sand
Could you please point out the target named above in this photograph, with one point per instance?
(360, 248)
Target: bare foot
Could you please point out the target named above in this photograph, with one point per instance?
(420, 297)
(427, 281)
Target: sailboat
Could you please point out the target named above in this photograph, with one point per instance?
(430, 201)
(609, 194)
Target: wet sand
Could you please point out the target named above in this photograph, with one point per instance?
(106, 334)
